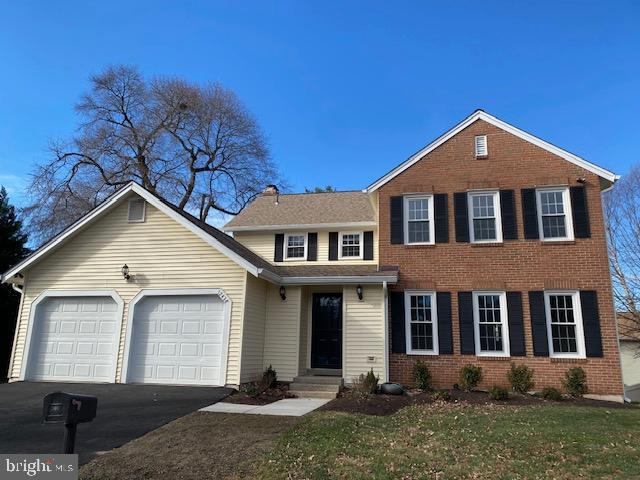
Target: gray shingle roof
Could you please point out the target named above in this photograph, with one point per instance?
(305, 209)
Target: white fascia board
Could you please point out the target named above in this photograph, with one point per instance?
(299, 226)
(480, 115)
(110, 202)
(339, 279)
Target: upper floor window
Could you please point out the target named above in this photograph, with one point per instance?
(295, 246)
(350, 244)
(418, 219)
(421, 320)
(554, 214)
(484, 217)
(564, 324)
(490, 321)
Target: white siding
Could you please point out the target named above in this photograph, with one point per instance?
(363, 332)
(160, 254)
(252, 362)
(264, 245)
(630, 369)
(282, 332)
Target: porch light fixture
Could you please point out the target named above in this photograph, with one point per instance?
(125, 272)
(359, 292)
(283, 293)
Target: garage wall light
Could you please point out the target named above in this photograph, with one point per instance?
(283, 293)
(125, 272)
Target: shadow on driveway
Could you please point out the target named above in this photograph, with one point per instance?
(125, 412)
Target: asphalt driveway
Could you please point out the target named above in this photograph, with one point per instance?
(125, 412)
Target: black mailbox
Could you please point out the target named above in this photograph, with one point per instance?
(69, 408)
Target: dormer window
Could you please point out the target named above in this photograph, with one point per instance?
(482, 150)
(295, 246)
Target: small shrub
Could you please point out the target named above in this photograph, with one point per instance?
(575, 382)
(551, 393)
(251, 389)
(521, 378)
(442, 395)
(469, 377)
(366, 384)
(421, 376)
(269, 377)
(498, 393)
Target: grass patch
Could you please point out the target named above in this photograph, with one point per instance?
(445, 441)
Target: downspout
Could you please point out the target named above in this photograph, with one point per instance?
(386, 330)
(15, 334)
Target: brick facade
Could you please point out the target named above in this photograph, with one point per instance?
(515, 265)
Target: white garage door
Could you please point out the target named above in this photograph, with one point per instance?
(177, 340)
(74, 339)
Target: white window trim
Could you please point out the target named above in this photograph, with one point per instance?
(486, 146)
(577, 316)
(405, 212)
(286, 256)
(504, 320)
(350, 257)
(566, 200)
(407, 322)
(496, 211)
(144, 210)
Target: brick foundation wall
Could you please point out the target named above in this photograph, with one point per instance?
(516, 265)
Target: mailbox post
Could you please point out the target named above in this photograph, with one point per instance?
(70, 409)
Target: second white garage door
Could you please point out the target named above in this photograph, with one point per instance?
(177, 340)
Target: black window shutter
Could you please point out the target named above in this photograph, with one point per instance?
(333, 245)
(312, 247)
(529, 213)
(591, 323)
(516, 324)
(581, 227)
(462, 216)
(538, 324)
(367, 253)
(277, 257)
(445, 334)
(465, 316)
(398, 339)
(508, 214)
(397, 220)
(441, 217)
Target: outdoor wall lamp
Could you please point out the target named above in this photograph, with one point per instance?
(125, 272)
(283, 293)
(359, 291)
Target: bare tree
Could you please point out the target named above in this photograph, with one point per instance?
(622, 207)
(195, 146)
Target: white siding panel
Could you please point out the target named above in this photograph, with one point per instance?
(630, 369)
(160, 254)
(363, 332)
(282, 332)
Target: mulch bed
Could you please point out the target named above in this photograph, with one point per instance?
(280, 391)
(381, 404)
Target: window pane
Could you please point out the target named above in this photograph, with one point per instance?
(552, 203)
(563, 326)
(418, 209)
(295, 246)
(351, 245)
(484, 229)
(483, 206)
(421, 322)
(490, 323)
(418, 231)
(554, 226)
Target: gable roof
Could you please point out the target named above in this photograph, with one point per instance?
(222, 242)
(304, 211)
(482, 115)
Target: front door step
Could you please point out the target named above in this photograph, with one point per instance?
(328, 372)
(315, 387)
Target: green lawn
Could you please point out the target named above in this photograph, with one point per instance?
(451, 441)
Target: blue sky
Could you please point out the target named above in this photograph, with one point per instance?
(343, 90)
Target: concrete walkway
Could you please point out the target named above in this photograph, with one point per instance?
(288, 407)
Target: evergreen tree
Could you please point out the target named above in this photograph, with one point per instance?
(12, 250)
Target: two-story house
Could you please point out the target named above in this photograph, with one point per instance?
(485, 247)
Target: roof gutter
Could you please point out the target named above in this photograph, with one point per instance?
(298, 226)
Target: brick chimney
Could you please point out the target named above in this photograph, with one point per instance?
(270, 190)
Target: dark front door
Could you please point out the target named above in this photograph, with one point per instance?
(326, 330)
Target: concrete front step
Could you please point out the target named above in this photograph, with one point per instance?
(318, 387)
(318, 380)
(313, 394)
(329, 372)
